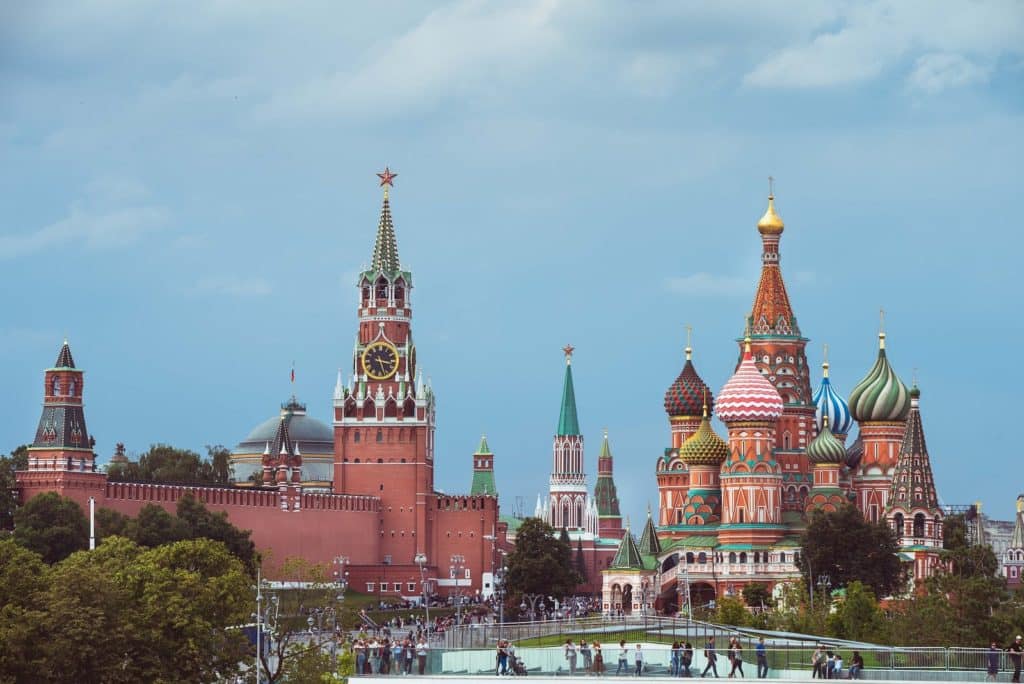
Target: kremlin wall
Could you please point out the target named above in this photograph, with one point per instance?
(730, 508)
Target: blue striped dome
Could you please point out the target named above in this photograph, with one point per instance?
(827, 402)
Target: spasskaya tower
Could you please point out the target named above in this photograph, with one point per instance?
(384, 414)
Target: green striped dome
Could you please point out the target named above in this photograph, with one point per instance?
(880, 396)
(704, 447)
(826, 447)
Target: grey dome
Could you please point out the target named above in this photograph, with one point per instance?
(313, 436)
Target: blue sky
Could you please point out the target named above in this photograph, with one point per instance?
(189, 189)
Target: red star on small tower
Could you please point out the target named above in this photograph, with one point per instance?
(568, 349)
(387, 178)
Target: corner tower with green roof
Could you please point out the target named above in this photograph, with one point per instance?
(483, 471)
(609, 518)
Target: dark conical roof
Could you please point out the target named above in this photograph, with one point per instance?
(912, 483)
(649, 544)
(64, 359)
(568, 423)
(628, 555)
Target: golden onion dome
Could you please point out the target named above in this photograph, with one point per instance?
(704, 447)
(771, 223)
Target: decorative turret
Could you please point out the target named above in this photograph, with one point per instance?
(880, 396)
(282, 463)
(483, 470)
(827, 454)
(704, 452)
(1013, 556)
(627, 557)
(568, 423)
(704, 447)
(606, 498)
(772, 313)
(649, 544)
(62, 441)
(385, 248)
(825, 448)
(685, 399)
(913, 509)
(567, 488)
(831, 405)
(748, 396)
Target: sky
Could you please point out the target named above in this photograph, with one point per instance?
(189, 190)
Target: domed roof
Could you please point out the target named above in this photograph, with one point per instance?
(771, 223)
(854, 453)
(704, 447)
(748, 395)
(831, 406)
(826, 448)
(880, 396)
(312, 435)
(686, 396)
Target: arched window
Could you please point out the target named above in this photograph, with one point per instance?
(741, 515)
(689, 556)
(732, 556)
(366, 294)
(782, 557)
(71, 388)
(55, 387)
(380, 435)
(382, 289)
(743, 556)
(757, 556)
(787, 440)
(897, 521)
(356, 438)
(919, 525)
(702, 557)
(399, 294)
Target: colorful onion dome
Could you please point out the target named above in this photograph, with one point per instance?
(686, 396)
(771, 223)
(748, 395)
(704, 447)
(826, 448)
(831, 406)
(880, 396)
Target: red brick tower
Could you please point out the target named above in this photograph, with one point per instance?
(61, 456)
(282, 466)
(606, 497)
(778, 351)
(384, 418)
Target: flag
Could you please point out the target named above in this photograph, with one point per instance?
(293, 372)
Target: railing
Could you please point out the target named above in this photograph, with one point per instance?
(660, 659)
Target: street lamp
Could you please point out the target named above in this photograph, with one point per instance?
(268, 618)
(458, 565)
(499, 593)
(421, 560)
(824, 583)
(532, 598)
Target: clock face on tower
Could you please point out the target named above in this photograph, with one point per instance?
(380, 360)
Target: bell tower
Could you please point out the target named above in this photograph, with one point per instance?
(384, 414)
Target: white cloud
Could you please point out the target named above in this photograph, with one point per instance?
(91, 227)
(938, 71)
(874, 37)
(232, 286)
(708, 284)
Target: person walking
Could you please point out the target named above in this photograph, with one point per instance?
(598, 659)
(993, 661)
(762, 658)
(588, 660)
(570, 655)
(710, 657)
(638, 656)
(685, 660)
(674, 661)
(360, 648)
(736, 657)
(856, 665)
(1016, 649)
(421, 655)
(623, 658)
(397, 656)
(817, 662)
(501, 658)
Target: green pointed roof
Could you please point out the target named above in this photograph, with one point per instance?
(568, 423)
(385, 248)
(605, 494)
(483, 478)
(649, 544)
(483, 449)
(628, 555)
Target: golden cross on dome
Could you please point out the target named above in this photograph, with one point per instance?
(771, 186)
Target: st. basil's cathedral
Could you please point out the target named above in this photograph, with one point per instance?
(731, 510)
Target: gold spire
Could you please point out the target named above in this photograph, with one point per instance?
(689, 347)
(824, 365)
(705, 393)
(770, 223)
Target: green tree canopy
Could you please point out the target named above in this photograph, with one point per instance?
(165, 463)
(541, 563)
(848, 548)
(51, 525)
(18, 460)
(757, 595)
(856, 616)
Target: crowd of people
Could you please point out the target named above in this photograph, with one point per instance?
(387, 655)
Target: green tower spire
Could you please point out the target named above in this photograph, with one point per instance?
(649, 544)
(605, 495)
(568, 423)
(627, 557)
(385, 248)
(483, 471)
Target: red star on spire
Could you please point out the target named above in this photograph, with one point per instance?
(568, 349)
(387, 178)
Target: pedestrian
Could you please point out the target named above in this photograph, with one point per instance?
(397, 656)
(598, 659)
(373, 650)
(762, 658)
(993, 661)
(570, 655)
(856, 665)
(710, 657)
(736, 657)
(817, 662)
(685, 660)
(588, 659)
(674, 662)
(385, 656)
(360, 648)
(837, 670)
(421, 655)
(409, 654)
(623, 658)
(501, 658)
(830, 664)
(1016, 649)
(638, 656)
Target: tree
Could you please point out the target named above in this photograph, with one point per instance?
(857, 616)
(18, 460)
(155, 526)
(164, 463)
(757, 596)
(540, 563)
(581, 562)
(220, 463)
(198, 521)
(847, 548)
(730, 610)
(23, 577)
(51, 525)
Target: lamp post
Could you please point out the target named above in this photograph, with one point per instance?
(421, 560)
(532, 598)
(499, 593)
(267, 618)
(824, 584)
(458, 565)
